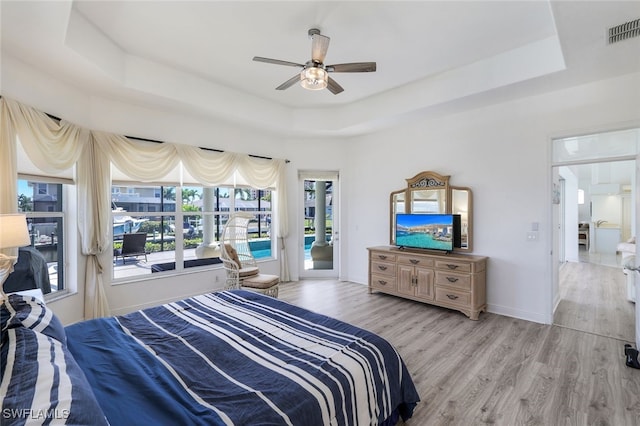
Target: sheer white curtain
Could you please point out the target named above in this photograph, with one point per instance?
(53, 146)
(9, 169)
(261, 173)
(94, 220)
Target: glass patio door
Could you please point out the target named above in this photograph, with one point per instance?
(319, 244)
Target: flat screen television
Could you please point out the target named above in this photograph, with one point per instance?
(428, 231)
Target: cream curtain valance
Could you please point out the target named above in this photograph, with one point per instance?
(208, 167)
(142, 161)
(53, 146)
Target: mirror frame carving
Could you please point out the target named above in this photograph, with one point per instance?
(429, 180)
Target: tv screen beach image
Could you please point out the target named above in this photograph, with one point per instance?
(426, 231)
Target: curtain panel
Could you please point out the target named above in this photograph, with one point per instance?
(54, 146)
(9, 168)
(94, 221)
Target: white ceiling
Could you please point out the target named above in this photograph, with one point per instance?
(432, 56)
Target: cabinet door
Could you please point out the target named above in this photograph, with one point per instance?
(405, 280)
(424, 289)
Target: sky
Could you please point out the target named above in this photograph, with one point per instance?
(421, 219)
(23, 188)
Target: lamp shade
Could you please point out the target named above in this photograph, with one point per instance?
(314, 78)
(13, 231)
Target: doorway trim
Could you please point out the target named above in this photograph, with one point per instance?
(553, 263)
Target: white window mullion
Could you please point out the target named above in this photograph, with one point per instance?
(179, 234)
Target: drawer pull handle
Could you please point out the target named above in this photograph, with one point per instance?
(382, 256)
(382, 267)
(452, 279)
(414, 261)
(382, 282)
(451, 266)
(452, 296)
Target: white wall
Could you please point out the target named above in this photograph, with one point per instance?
(500, 151)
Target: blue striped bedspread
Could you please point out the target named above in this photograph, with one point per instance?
(241, 358)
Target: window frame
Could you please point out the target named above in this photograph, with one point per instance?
(179, 216)
(65, 186)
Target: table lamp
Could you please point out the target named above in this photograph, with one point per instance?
(13, 234)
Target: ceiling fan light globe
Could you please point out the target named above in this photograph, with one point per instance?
(314, 78)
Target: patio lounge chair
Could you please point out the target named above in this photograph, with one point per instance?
(133, 245)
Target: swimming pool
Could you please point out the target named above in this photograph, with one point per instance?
(262, 248)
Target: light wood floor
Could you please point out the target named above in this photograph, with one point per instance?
(594, 300)
(497, 370)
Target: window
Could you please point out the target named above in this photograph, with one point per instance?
(42, 202)
(131, 208)
(42, 188)
(187, 236)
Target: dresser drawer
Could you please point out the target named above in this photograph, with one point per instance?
(452, 265)
(415, 260)
(452, 279)
(449, 295)
(384, 257)
(383, 268)
(383, 282)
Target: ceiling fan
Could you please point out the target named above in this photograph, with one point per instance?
(314, 74)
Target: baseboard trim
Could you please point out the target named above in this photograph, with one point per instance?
(516, 313)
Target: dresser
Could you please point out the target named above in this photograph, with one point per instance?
(456, 281)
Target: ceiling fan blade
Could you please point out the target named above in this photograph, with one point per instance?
(293, 80)
(352, 67)
(319, 46)
(334, 87)
(277, 62)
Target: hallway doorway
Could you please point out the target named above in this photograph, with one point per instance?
(596, 215)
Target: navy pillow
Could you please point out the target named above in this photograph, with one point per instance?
(26, 311)
(41, 380)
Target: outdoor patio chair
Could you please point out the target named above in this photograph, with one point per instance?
(133, 245)
(239, 264)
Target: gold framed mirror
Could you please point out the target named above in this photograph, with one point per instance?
(430, 192)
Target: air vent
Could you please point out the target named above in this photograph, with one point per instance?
(624, 31)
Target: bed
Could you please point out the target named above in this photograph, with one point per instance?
(231, 357)
(627, 248)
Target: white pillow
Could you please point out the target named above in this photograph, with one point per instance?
(35, 292)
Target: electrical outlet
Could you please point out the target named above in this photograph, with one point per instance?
(532, 236)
